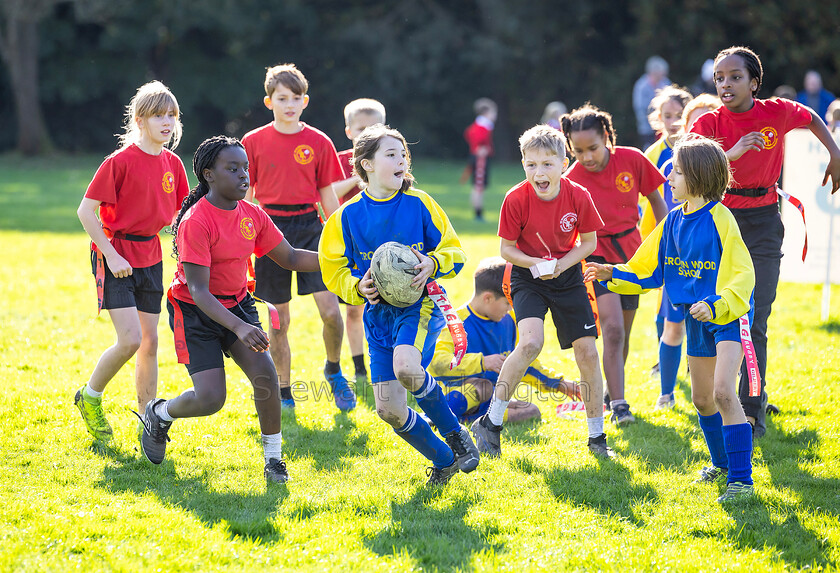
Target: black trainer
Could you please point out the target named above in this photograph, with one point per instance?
(275, 471)
(466, 453)
(441, 476)
(487, 436)
(155, 434)
(598, 446)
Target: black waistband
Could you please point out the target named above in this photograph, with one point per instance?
(298, 207)
(135, 238)
(621, 233)
(749, 192)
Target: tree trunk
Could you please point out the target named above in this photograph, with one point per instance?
(21, 55)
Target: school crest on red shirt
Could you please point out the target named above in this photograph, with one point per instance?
(168, 182)
(771, 137)
(304, 154)
(246, 227)
(624, 182)
(568, 222)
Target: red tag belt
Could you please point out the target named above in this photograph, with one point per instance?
(749, 356)
(453, 322)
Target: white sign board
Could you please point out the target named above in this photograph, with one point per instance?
(805, 162)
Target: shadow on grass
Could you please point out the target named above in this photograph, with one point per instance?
(759, 525)
(607, 488)
(436, 537)
(831, 327)
(331, 449)
(656, 445)
(246, 515)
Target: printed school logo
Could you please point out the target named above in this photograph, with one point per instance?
(624, 182)
(304, 154)
(168, 182)
(771, 136)
(568, 222)
(246, 227)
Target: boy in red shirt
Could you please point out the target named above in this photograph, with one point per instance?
(479, 136)
(293, 167)
(358, 114)
(547, 226)
(135, 193)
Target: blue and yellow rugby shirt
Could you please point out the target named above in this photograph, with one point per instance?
(699, 256)
(354, 232)
(485, 337)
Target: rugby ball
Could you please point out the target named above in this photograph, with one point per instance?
(392, 270)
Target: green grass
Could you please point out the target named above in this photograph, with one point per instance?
(357, 500)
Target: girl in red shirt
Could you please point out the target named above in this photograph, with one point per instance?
(752, 131)
(135, 193)
(211, 311)
(615, 177)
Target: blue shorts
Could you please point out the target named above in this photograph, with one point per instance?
(702, 337)
(668, 311)
(387, 327)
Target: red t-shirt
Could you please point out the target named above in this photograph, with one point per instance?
(773, 118)
(289, 169)
(558, 221)
(479, 134)
(615, 191)
(346, 160)
(140, 194)
(222, 240)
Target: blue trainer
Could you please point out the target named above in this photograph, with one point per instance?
(287, 403)
(345, 398)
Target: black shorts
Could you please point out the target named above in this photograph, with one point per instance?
(566, 298)
(274, 283)
(628, 301)
(142, 289)
(207, 340)
(486, 180)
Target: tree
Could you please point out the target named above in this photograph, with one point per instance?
(19, 43)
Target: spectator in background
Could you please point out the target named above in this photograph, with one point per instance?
(552, 113)
(654, 78)
(832, 116)
(815, 95)
(704, 83)
(785, 91)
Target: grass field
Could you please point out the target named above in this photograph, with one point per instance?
(357, 500)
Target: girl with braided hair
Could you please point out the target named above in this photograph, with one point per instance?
(211, 311)
(615, 177)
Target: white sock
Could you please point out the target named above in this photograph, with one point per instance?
(496, 413)
(91, 393)
(162, 410)
(272, 446)
(614, 403)
(596, 426)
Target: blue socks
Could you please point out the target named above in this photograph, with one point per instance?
(712, 427)
(431, 399)
(737, 440)
(669, 366)
(417, 432)
(660, 326)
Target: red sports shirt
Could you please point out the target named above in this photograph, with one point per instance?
(289, 169)
(773, 118)
(615, 191)
(346, 159)
(222, 240)
(479, 134)
(140, 194)
(558, 221)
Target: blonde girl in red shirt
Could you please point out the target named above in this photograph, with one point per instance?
(135, 193)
